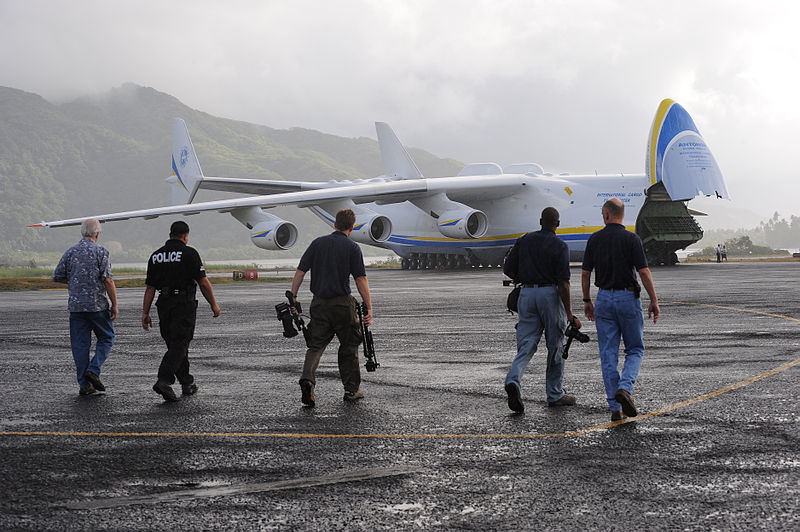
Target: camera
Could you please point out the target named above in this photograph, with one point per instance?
(573, 333)
(291, 320)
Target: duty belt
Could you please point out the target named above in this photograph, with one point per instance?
(168, 291)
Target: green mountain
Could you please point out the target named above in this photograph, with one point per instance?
(111, 153)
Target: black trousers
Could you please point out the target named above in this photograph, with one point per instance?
(176, 319)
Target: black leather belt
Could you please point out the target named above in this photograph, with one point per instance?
(538, 285)
(174, 291)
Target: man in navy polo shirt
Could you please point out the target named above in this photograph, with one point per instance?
(540, 261)
(614, 253)
(332, 259)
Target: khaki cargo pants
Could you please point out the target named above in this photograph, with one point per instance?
(334, 317)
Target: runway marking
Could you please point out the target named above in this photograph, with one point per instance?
(527, 435)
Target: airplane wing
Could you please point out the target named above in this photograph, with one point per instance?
(256, 186)
(377, 190)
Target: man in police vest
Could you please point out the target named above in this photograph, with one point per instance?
(175, 270)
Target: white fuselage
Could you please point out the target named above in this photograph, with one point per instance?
(510, 215)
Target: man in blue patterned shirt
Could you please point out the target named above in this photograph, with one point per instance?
(86, 269)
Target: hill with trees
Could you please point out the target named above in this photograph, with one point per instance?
(111, 153)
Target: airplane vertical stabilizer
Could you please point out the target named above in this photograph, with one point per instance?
(186, 172)
(678, 156)
(397, 163)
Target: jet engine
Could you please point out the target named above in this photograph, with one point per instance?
(274, 234)
(371, 229)
(468, 223)
(267, 231)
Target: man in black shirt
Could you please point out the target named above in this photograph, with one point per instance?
(332, 259)
(540, 261)
(614, 253)
(175, 270)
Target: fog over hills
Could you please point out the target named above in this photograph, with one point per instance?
(111, 152)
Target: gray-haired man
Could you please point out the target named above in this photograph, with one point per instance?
(86, 269)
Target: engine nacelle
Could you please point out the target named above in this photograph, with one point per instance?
(469, 223)
(274, 234)
(372, 229)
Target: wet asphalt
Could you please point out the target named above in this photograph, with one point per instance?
(433, 445)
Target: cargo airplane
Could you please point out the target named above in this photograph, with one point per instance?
(470, 219)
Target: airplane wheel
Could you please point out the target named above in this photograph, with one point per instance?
(414, 264)
(452, 262)
(405, 263)
(461, 262)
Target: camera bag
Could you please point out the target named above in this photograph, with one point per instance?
(513, 297)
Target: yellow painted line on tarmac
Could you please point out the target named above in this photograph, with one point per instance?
(527, 435)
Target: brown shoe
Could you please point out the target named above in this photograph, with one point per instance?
(623, 397)
(306, 392)
(354, 396)
(95, 380)
(617, 415)
(87, 390)
(567, 400)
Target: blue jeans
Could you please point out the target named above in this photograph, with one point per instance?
(540, 311)
(81, 326)
(618, 314)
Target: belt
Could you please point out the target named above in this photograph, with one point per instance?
(174, 291)
(627, 288)
(538, 285)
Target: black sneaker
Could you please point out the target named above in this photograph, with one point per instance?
(87, 390)
(307, 392)
(165, 390)
(189, 389)
(95, 380)
(623, 397)
(514, 398)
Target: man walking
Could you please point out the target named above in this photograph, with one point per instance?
(540, 261)
(86, 269)
(614, 253)
(332, 259)
(175, 270)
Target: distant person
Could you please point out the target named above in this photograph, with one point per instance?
(719, 253)
(724, 252)
(540, 261)
(615, 254)
(332, 259)
(175, 270)
(86, 269)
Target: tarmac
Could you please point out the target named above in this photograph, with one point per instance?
(433, 444)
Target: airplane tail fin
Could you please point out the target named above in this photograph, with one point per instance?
(678, 156)
(397, 163)
(186, 172)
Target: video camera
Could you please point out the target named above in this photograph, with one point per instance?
(369, 347)
(571, 333)
(290, 319)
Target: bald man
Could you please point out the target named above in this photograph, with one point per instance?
(616, 254)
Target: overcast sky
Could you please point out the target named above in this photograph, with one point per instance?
(571, 85)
